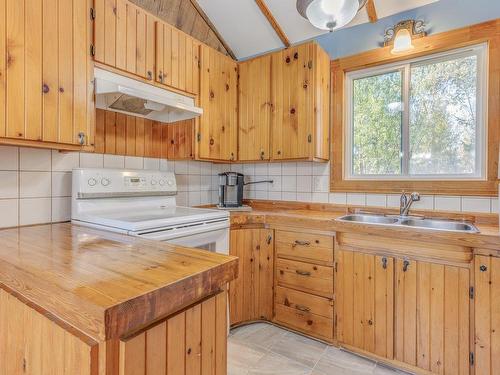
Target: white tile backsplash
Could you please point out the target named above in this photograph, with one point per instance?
(36, 184)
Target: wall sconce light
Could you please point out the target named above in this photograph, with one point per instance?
(402, 34)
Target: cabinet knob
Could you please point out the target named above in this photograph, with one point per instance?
(81, 138)
(406, 264)
(483, 268)
(269, 239)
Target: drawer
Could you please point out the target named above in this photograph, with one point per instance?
(306, 322)
(306, 246)
(303, 276)
(304, 302)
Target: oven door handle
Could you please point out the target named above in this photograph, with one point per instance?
(185, 231)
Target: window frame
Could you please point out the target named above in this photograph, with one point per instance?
(404, 67)
(486, 32)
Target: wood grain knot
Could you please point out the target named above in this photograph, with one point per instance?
(45, 88)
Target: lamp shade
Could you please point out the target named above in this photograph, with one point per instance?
(402, 41)
(329, 14)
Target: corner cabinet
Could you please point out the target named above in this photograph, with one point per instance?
(46, 93)
(251, 294)
(284, 105)
(300, 92)
(217, 128)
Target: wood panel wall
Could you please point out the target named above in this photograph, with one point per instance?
(192, 342)
(120, 134)
(32, 344)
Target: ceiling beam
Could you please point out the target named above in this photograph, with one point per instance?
(372, 11)
(275, 25)
(214, 29)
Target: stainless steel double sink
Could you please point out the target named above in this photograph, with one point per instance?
(411, 222)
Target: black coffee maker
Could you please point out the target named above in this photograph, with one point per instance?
(231, 189)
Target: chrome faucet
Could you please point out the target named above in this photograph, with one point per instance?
(406, 201)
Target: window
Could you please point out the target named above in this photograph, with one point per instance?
(420, 119)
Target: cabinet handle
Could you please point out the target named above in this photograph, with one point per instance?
(269, 239)
(302, 308)
(160, 77)
(301, 243)
(262, 155)
(384, 263)
(232, 156)
(483, 268)
(303, 273)
(406, 264)
(150, 74)
(81, 138)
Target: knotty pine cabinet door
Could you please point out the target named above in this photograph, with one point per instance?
(251, 294)
(125, 37)
(300, 82)
(217, 128)
(487, 315)
(432, 310)
(177, 59)
(254, 109)
(364, 299)
(191, 342)
(46, 95)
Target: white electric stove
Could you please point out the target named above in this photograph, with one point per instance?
(142, 203)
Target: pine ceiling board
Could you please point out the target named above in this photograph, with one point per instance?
(242, 25)
(298, 29)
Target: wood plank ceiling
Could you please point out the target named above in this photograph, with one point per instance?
(188, 17)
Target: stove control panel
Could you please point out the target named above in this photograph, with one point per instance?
(98, 181)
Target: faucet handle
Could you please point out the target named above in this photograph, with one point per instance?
(415, 197)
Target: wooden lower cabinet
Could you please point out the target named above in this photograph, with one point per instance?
(487, 315)
(304, 283)
(191, 342)
(364, 298)
(432, 311)
(251, 294)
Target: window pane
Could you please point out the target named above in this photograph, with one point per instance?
(443, 117)
(377, 123)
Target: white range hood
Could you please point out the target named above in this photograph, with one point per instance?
(118, 93)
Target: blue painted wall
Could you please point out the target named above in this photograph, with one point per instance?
(440, 16)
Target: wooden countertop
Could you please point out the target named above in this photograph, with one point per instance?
(322, 217)
(101, 285)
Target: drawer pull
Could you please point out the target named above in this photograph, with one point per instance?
(301, 243)
(302, 308)
(303, 273)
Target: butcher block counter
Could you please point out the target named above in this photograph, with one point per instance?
(105, 296)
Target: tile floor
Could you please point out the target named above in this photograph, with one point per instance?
(264, 349)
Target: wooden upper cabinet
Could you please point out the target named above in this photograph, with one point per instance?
(300, 82)
(217, 129)
(177, 59)
(254, 109)
(125, 37)
(46, 73)
(432, 307)
(364, 290)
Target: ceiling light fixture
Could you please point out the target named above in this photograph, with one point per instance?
(402, 34)
(329, 14)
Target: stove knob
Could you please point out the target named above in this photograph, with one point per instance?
(162, 182)
(105, 182)
(153, 182)
(170, 182)
(92, 182)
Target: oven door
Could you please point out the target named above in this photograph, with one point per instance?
(212, 236)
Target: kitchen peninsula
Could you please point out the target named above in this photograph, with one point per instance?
(78, 300)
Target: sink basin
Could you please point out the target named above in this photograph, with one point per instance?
(435, 224)
(446, 225)
(370, 219)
